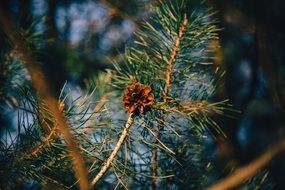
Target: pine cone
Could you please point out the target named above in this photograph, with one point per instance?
(138, 98)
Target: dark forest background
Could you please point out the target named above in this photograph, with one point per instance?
(83, 36)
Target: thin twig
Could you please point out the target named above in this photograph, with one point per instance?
(100, 104)
(154, 160)
(159, 141)
(170, 68)
(45, 142)
(108, 162)
(41, 85)
(51, 135)
(243, 174)
(120, 181)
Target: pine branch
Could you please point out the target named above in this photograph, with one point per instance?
(169, 49)
(170, 63)
(42, 87)
(163, 45)
(108, 162)
(173, 54)
(243, 174)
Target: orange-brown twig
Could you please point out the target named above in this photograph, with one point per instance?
(51, 135)
(243, 174)
(45, 142)
(173, 55)
(170, 64)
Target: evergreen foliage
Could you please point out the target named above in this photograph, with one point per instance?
(164, 148)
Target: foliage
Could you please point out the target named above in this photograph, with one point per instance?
(171, 54)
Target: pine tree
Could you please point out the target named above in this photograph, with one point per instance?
(142, 125)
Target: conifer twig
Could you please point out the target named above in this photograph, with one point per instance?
(245, 173)
(154, 161)
(51, 135)
(173, 55)
(108, 162)
(41, 85)
(170, 68)
(101, 102)
(39, 148)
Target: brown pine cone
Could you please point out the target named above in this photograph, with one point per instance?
(138, 98)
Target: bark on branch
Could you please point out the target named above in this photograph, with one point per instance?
(173, 55)
(169, 72)
(108, 162)
(243, 174)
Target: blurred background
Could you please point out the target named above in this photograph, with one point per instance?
(82, 37)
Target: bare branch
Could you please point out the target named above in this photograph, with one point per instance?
(245, 173)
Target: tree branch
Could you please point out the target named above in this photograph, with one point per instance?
(170, 63)
(245, 173)
(108, 162)
(173, 55)
(41, 85)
